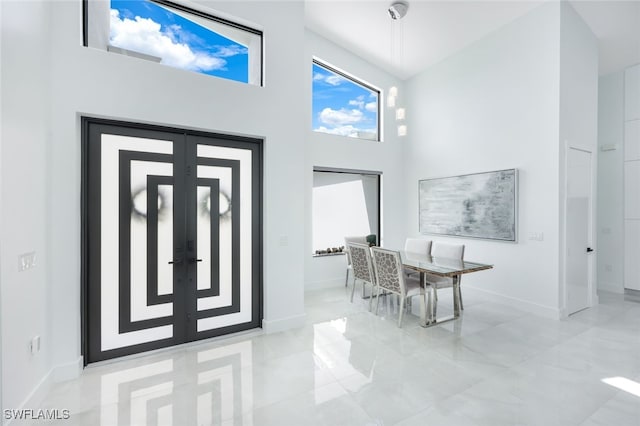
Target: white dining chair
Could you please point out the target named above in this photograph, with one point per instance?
(444, 251)
(362, 269)
(418, 246)
(347, 240)
(388, 268)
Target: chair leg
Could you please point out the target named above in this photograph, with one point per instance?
(402, 300)
(370, 297)
(346, 279)
(353, 289)
(460, 297)
(377, 300)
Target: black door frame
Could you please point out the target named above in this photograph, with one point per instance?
(91, 127)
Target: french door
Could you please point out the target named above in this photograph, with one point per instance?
(171, 237)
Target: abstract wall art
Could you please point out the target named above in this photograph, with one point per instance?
(480, 205)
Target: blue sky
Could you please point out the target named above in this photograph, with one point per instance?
(343, 107)
(145, 27)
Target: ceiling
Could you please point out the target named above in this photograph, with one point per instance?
(434, 30)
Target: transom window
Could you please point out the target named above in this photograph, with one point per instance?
(343, 105)
(175, 35)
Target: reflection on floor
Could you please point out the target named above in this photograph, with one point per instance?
(495, 366)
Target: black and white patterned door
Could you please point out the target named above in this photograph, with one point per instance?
(172, 237)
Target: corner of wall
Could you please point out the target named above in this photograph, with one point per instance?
(283, 324)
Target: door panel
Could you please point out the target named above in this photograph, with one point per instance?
(230, 297)
(172, 239)
(578, 229)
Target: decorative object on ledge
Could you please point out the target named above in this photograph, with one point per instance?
(371, 240)
(480, 205)
(330, 250)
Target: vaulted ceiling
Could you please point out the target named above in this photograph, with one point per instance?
(434, 30)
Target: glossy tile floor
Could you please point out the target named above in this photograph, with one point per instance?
(495, 366)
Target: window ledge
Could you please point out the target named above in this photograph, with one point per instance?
(328, 254)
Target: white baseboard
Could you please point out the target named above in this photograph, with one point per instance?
(331, 283)
(283, 323)
(37, 395)
(58, 373)
(534, 308)
(617, 288)
(68, 371)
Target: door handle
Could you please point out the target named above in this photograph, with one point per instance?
(175, 262)
(589, 249)
(194, 260)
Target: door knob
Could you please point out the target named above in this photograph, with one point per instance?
(589, 249)
(175, 262)
(194, 260)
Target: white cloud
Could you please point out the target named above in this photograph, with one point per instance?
(331, 79)
(359, 102)
(232, 50)
(334, 80)
(145, 36)
(341, 130)
(336, 118)
(348, 130)
(371, 106)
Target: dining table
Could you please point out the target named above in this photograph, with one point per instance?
(440, 267)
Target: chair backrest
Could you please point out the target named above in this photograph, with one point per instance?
(417, 246)
(388, 268)
(361, 262)
(449, 251)
(355, 239)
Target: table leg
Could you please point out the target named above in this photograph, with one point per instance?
(456, 296)
(426, 305)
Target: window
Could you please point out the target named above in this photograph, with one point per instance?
(174, 35)
(345, 203)
(343, 105)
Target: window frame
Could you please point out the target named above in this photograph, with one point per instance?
(378, 174)
(355, 80)
(192, 11)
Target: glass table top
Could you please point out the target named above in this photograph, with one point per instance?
(440, 265)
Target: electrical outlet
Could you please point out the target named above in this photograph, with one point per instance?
(283, 241)
(34, 345)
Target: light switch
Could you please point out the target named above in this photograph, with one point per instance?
(26, 261)
(536, 236)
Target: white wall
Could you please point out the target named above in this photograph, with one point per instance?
(578, 121)
(347, 153)
(92, 82)
(632, 177)
(610, 249)
(24, 168)
(495, 105)
(1, 231)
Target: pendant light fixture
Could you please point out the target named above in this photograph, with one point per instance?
(397, 10)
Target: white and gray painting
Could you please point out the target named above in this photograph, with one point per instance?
(481, 205)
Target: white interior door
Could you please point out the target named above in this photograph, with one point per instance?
(578, 229)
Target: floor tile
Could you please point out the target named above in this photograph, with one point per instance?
(496, 365)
